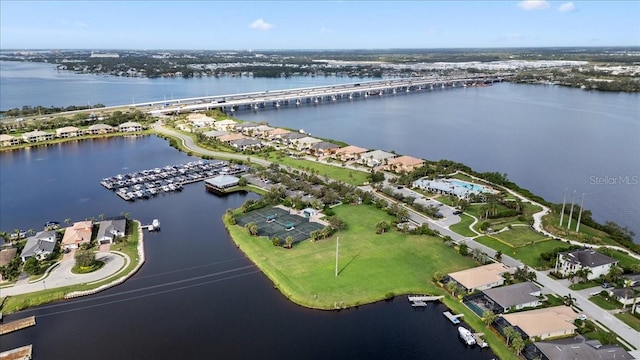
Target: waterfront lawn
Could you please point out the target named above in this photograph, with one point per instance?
(529, 254)
(624, 260)
(630, 319)
(349, 176)
(20, 302)
(519, 236)
(586, 234)
(462, 227)
(371, 267)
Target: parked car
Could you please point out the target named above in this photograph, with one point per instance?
(457, 212)
(606, 285)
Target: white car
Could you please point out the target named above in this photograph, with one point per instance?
(582, 317)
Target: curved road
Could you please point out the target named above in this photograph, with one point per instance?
(61, 275)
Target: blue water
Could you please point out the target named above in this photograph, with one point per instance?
(466, 185)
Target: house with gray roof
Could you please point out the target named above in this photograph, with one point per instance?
(375, 158)
(579, 348)
(625, 296)
(598, 263)
(40, 245)
(110, 229)
(323, 148)
(245, 144)
(512, 297)
(289, 137)
(216, 133)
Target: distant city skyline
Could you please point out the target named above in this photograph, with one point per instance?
(243, 25)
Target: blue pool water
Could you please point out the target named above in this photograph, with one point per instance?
(470, 186)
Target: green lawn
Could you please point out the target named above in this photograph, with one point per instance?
(624, 260)
(348, 176)
(529, 254)
(630, 320)
(519, 236)
(604, 303)
(371, 267)
(584, 285)
(587, 234)
(462, 227)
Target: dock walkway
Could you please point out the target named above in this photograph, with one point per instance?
(21, 353)
(17, 325)
(453, 318)
(423, 298)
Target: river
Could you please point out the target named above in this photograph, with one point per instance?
(547, 139)
(197, 296)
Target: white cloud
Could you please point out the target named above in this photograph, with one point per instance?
(533, 5)
(261, 25)
(567, 7)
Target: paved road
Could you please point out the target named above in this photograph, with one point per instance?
(62, 276)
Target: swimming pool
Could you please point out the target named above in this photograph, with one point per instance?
(469, 186)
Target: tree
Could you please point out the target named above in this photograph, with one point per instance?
(382, 226)
(336, 223)
(67, 221)
(488, 317)
(438, 276)
(517, 343)
(32, 266)
(509, 332)
(568, 300)
(499, 255)
(289, 241)
(402, 214)
(627, 289)
(452, 287)
(276, 241)
(584, 273)
(85, 258)
(252, 228)
(614, 274)
(242, 181)
(464, 249)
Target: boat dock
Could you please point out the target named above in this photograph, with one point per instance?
(149, 183)
(420, 301)
(17, 325)
(479, 340)
(453, 318)
(154, 226)
(21, 353)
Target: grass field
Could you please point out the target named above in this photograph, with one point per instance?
(462, 227)
(371, 267)
(529, 254)
(349, 176)
(607, 304)
(519, 236)
(587, 234)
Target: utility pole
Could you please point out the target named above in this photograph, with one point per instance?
(564, 201)
(580, 215)
(337, 244)
(571, 212)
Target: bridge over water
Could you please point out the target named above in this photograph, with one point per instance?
(316, 94)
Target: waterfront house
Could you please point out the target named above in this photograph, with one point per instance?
(597, 263)
(481, 277)
(290, 137)
(323, 148)
(130, 126)
(109, 230)
(276, 134)
(8, 140)
(246, 144)
(544, 323)
(403, 163)
(512, 297)
(349, 153)
(40, 245)
(37, 135)
(304, 143)
(100, 129)
(225, 125)
(231, 137)
(77, 234)
(68, 132)
(579, 348)
(375, 158)
(216, 133)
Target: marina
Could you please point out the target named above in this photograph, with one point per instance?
(171, 178)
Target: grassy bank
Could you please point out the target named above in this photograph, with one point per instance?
(529, 254)
(20, 302)
(462, 227)
(401, 264)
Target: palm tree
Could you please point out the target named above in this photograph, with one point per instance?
(568, 300)
(67, 221)
(509, 332)
(517, 343)
(627, 290)
(452, 287)
(636, 292)
(488, 317)
(289, 241)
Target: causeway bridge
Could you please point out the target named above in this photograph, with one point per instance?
(317, 94)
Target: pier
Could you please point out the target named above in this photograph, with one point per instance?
(17, 325)
(453, 318)
(419, 301)
(21, 353)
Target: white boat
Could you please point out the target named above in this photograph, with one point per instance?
(156, 224)
(466, 335)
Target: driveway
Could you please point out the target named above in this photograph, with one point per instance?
(61, 275)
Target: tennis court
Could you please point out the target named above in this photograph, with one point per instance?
(276, 222)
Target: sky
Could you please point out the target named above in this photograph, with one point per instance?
(242, 25)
